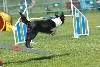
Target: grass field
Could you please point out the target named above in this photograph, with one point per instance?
(67, 51)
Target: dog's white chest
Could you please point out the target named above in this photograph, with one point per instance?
(57, 21)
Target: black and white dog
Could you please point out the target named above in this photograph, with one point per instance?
(44, 26)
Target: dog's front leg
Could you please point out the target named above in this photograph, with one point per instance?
(54, 31)
(30, 35)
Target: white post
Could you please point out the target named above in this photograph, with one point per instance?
(72, 7)
(26, 9)
(4, 6)
(73, 19)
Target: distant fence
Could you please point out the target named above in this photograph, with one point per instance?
(41, 6)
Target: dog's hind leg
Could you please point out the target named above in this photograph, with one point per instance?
(29, 37)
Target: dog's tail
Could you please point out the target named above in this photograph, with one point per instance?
(23, 18)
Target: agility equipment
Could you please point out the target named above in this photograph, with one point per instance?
(81, 26)
(5, 22)
(79, 21)
(20, 29)
(23, 49)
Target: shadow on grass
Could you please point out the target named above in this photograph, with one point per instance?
(49, 57)
(38, 59)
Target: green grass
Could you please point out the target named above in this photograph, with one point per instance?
(68, 52)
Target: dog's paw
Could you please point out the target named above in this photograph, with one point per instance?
(53, 33)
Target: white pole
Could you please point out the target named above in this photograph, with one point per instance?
(4, 5)
(73, 18)
(71, 7)
(26, 9)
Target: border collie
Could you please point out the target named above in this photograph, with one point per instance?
(44, 26)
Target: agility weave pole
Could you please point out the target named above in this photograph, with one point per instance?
(23, 49)
(79, 21)
(81, 26)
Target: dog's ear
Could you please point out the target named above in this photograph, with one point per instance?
(56, 15)
(62, 17)
(62, 14)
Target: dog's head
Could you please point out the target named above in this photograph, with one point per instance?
(61, 17)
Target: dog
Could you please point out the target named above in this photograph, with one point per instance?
(44, 26)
